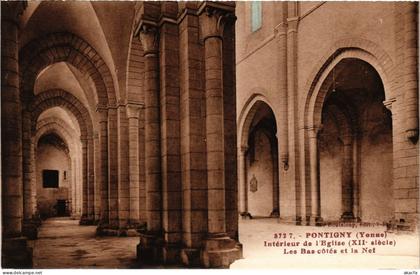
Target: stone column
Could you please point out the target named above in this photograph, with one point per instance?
(103, 168)
(97, 188)
(355, 173)
(91, 181)
(113, 170)
(133, 111)
(170, 133)
(79, 186)
(212, 29)
(123, 198)
(149, 250)
(243, 183)
(219, 250)
(296, 184)
(193, 155)
(347, 180)
(315, 218)
(15, 252)
(274, 156)
(84, 219)
(73, 186)
(282, 84)
(30, 221)
(411, 94)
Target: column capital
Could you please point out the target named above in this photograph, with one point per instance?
(280, 29)
(12, 10)
(149, 38)
(314, 130)
(292, 24)
(388, 103)
(102, 113)
(214, 17)
(243, 149)
(133, 110)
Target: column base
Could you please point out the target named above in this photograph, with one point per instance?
(220, 252)
(191, 257)
(171, 254)
(107, 230)
(16, 253)
(403, 225)
(347, 217)
(246, 215)
(150, 249)
(132, 232)
(30, 229)
(86, 221)
(290, 220)
(275, 213)
(315, 221)
(36, 219)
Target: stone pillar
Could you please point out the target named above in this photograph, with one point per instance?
(315, 218)
(103, 168)
(243, 183)
(170, 133)
(91, 181)
(113, 189)
(347, 180)
(193, 155)
(85, 166)
(212, 35)
(30, 220)
(274, 156)
(142, 172)
(133, 112)
(411, 94)
(97, 188)
(70, 181)
(123, 172)
(79, 186)
(73, 186)
(296, 191)
(15, 252)
(219, 250)
(282, 84)
(149, 250)
(355, 173)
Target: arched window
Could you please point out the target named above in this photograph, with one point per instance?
(256, 15)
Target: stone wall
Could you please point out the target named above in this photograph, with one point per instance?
(48, 157)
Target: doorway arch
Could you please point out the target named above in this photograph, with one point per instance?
(349, 134)
(258, 160)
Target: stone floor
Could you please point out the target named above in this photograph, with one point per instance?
(63, 243)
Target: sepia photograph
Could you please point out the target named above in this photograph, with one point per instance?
(209, 135)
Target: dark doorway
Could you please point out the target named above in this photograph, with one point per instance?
(61, 208)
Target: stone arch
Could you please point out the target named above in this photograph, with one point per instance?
(247, 114)
(65, 47)
(317, 87)
(245, 120)
(61, 98)
(58, 126)
(319, 80)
